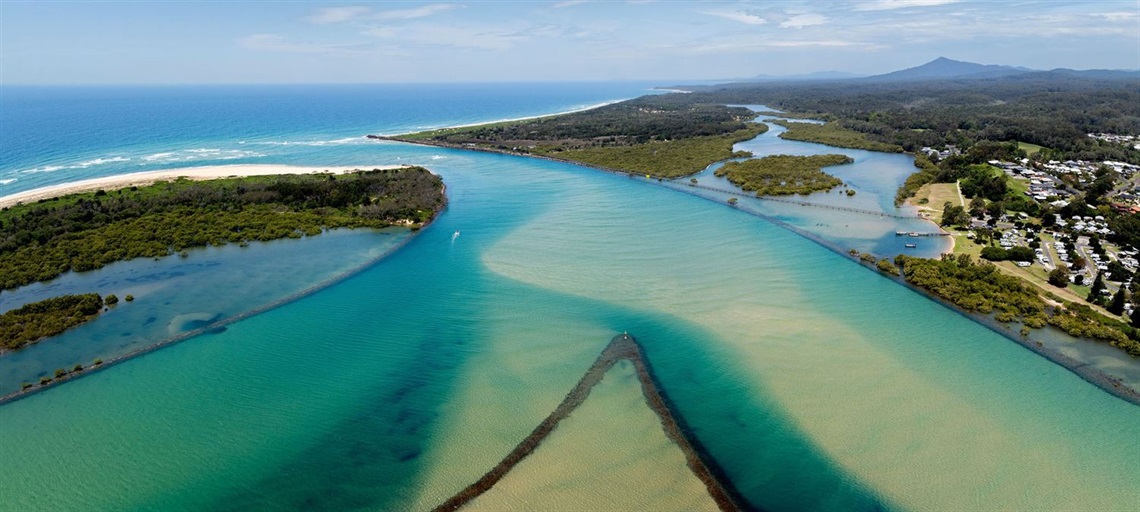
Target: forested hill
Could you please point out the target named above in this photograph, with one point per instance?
(1054, 109)
(87, 231)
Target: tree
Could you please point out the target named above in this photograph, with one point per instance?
(996, 209)
(953, 215)
(1118, 272)
(977, 206)
(1135, 320)
(1059, 277)
(1116, 307)
(1097, 288)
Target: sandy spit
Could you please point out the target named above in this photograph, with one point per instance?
(194, 173)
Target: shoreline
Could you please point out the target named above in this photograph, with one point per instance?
(207, 172)
(1102, 380)
(514, 119)
(219, 325)
(1095, 376)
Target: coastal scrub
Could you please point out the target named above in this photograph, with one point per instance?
(784, 174)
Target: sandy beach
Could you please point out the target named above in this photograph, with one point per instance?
(194, 173)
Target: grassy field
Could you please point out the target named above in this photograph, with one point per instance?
(932, 196)
(1030, 149)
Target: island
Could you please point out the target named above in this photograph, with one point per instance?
(777, 175)
(91, 227)
(86, 231)
(38, 320)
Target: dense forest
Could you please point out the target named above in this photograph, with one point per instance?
(784, 174)
(87, 231)
(1051, 109)
(832, 134)
(663, 136)
(637, 121)
(664, 159)
(32, 322)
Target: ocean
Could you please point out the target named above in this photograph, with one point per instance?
(813, 383)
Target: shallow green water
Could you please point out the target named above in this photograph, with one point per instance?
(815, 384)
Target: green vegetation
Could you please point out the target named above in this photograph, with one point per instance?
(784, 174)
(1059, 276)
(637, 121)
(1081, 320)
(832, 134)
(927, 173)
(954, 215)
(665, 159)
(1029, 149)
(32, 322)
(977, 287)
(982, 288)
(1054, 110)
(87, 231)
(664, 136)
(1019, 253)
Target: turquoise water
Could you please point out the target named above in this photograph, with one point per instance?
(814, 383)
(179, 294)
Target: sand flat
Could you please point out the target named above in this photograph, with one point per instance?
(609, 454)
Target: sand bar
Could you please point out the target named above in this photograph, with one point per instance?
(195, 173)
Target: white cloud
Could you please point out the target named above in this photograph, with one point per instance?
(330, 15)
(277, 43)
(336, 14)
(885, 5)
(767, 44)
(803, 20)
(742, 17)
(1118, 16)
(417, 12)
(480, 37)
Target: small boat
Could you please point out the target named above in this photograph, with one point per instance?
(900, 233)
(914, 233)
(910, 245)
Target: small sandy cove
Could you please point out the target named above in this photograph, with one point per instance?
(194, 173)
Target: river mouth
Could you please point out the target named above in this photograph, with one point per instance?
(814, 383)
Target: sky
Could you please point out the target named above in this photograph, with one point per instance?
(187, 42)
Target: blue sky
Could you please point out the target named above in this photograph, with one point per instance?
(46, 42)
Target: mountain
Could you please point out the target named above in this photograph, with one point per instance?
(818, 75)
(943, 68)
(1100, 74)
